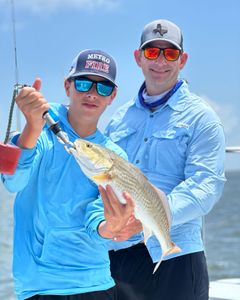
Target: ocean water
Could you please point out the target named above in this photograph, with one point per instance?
(221, 235)
(222, 232)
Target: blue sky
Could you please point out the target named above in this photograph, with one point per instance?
(51, 32)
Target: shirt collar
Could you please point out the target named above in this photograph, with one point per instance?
(177, 101)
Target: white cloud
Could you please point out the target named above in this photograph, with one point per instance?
(51, 6)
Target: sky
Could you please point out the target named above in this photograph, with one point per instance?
(50, 33)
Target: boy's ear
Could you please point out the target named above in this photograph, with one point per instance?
(113, 95)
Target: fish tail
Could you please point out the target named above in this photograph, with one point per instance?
(173, 249)
(158, 264)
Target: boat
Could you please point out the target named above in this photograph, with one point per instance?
(225, 289)
(233, 149)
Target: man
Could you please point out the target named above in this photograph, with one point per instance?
(177, 140)
(60, 232)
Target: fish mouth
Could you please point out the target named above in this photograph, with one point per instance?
(85, 163)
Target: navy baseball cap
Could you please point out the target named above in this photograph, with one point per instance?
(94, 62)
(162, 30)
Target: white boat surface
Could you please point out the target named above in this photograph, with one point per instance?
(225, 289)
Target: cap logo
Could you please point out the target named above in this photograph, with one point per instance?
(159, 29)
(99, 57)
(97, 65)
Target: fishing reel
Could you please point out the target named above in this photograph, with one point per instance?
(10, 154)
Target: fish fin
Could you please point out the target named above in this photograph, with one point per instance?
(157, 265)
(102, 177)
(165, 203)
(147, 233)
(173, 249)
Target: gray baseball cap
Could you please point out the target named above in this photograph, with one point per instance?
(162, 30)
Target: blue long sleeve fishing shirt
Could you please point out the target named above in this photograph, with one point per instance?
(180, 147)
(57, 249)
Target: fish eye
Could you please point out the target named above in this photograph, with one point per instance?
(89, 145)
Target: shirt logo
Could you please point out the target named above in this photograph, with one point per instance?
(182, 125)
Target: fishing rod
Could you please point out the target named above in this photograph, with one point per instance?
(9, 154)
(53, 125)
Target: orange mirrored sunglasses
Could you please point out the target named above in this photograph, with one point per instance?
(170, 54)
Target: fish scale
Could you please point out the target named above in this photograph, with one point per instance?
(105, 167)
(129, 183)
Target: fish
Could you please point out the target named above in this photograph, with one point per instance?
(104, 167)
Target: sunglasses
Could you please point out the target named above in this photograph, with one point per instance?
(104, 88)
(170, 54)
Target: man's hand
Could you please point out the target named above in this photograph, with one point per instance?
(116, 214)
(132, 227)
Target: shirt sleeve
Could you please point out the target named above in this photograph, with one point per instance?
(19, 180)
(94, 216)
(204, 175)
